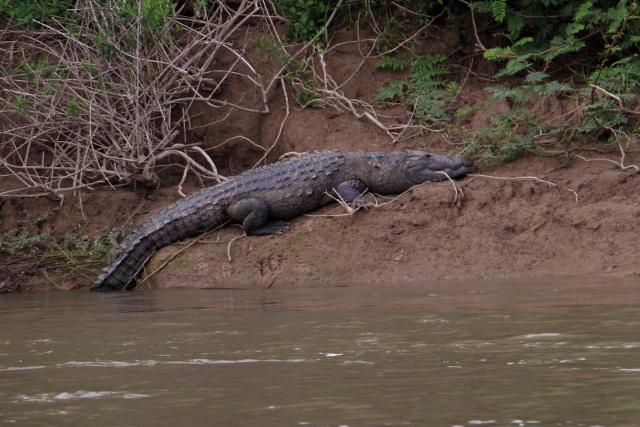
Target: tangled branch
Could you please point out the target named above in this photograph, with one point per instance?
(105, 106)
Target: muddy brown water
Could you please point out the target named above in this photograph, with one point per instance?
(535, 352)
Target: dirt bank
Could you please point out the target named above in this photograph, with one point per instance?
(522, 219)
(584, 220)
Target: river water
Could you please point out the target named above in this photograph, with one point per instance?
(560, 352)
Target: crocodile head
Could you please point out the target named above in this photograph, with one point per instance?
(421, 166)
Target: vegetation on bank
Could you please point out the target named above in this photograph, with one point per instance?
(34, 259)
(99, 92)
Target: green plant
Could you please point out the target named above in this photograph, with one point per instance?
(121, 23)
(425, 88)
(14, 242)
(394, 21)
(541, 32)
(591, 44)
(598, 37)
(533, 84)
(43, 258)
(25, 12)
(510, 137)
(305, 18)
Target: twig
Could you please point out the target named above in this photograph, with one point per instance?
(457, 189)
(617, 99)
(115, 121)
(242, 236)
(274, 279)
(173, 256)
(338, 198)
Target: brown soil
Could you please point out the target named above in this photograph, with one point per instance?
(583, 219)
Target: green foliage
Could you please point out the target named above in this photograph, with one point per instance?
(510, 137)
(52, 259)
(25, 12)
(272, 50)
(20, 241)
(534, 84)
(122, 23)
(391, 62)
(124, 26)
(539, 40)
(305, 18)
(539, 33)
(619, 77)
(25, 241)
(425, 87)
(22, 105)
(79, 246)
(394, 21)
(150, 15)
(498, 9)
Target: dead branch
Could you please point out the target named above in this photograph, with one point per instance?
(617, 99)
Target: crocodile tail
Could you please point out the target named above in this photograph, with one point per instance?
(185, 218)
(122, 270)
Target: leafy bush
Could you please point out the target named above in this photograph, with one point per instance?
(36, 258)
(25, 12)
(599, 40)
(543, 31)
(425, 87)
(305, 18)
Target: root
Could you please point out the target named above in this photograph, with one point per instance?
(526, 178)
(620, 164)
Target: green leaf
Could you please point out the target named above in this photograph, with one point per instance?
(523, 41)
(389, 90)
(584, 10)
(390, 62)
(498, 9)
(535, 77)
(514, 66)
(497, 53)
(515, 24)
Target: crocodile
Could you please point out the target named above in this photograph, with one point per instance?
(263, 198)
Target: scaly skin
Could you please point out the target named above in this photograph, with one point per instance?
(277, 192)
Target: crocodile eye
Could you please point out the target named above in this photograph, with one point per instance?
(427, 155)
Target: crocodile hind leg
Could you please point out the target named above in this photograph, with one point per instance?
(254, 215)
